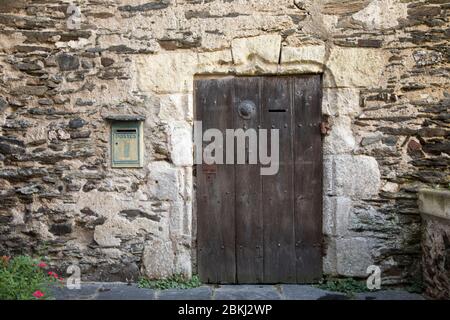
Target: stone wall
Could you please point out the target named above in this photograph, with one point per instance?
(385, 77)
(435, 208)
(436, 258)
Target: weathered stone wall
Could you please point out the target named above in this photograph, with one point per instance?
(385, 67)
(436, 257)
(434, 205)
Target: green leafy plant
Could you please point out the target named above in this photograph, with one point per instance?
(25, 278)
(177, 281)
(348, 286)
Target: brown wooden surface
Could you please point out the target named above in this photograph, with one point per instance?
(278, 208)
(215, 190)
(253, 228)
(308, 178)
(249, 220)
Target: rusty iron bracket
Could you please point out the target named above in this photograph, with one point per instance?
(325, 126)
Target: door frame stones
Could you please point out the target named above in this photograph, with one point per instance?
(348, 177)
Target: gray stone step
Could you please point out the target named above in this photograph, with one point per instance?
(123, 291)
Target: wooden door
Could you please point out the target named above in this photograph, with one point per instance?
(254, 228)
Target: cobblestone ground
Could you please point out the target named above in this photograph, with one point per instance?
(122, 291)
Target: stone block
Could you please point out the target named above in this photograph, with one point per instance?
(200, 293)
(329, 259)
(36, 136)
(353, 257)
(183, 260)
(351, 176)
(382, 14)
(304, 54)
(67, 62)
(157, 259)
(340, 102)
(265, 47)
(355, 67)
(214, 62)
(122, 291)
(340, 139)
(180, 143)
(336, 214)
(87, 291)
(304, 59)
(390, 295)
(164, 181)
(110, 233)
(29, 90)
(247, 292)
(307, 292)
(176, 107)
(166, 72)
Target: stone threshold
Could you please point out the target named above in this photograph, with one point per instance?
(124, 291)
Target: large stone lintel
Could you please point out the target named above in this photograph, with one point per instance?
(173, 72)
(266, 48)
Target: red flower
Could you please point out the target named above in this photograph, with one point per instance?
(42, 265)
(5, 259)
(38, 294)
(52, 274)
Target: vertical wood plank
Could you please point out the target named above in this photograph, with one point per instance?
(308, 178)
(249, 220)
(279, 241)
(215, 190)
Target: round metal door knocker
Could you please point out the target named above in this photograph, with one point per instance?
(246, 109)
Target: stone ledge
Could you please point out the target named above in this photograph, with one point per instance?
(435, 203)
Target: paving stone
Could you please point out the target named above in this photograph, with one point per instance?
(200, 293)
(334, 296)
(246, 292)
(388, 295)
(87, 291)
(124, 292)
(304, 292)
